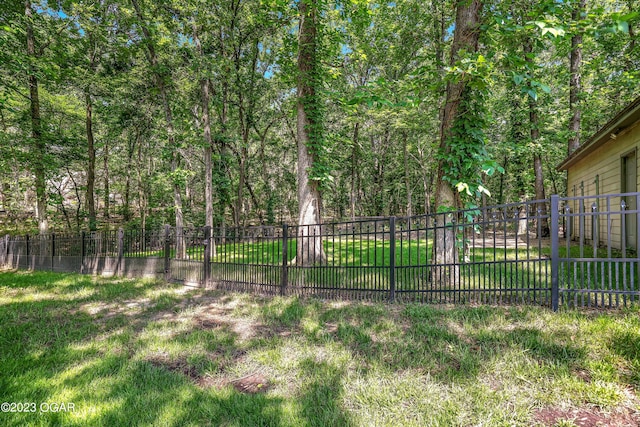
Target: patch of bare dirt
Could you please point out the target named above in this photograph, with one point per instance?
(331, 328)
(587, 417)
(214, 317)
(179, 365)
(583, 375)
(251, 384)
(270, 331)
(508, 241)
(208, 324)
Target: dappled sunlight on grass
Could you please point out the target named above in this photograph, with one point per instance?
(129, 352)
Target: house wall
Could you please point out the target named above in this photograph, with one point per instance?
(600, 173)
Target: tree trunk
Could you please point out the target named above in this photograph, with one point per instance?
(245, 120)
(208, 145)
(106, 181)
(355, 157)
(222, 169)
(574, 81)
(309, 247)
(142, 194)
(131, 149)
(407, 178)
(39, 146)
(445, 253)
(168, 115)
(541, 208)
(543, 229)
(91, 165)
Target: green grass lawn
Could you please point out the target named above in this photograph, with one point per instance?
(132, 352)
(366, 253)
(515, 273)
(486, 274)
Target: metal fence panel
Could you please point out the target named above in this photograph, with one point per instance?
(247, 259)
(571, 251)
(598, 263)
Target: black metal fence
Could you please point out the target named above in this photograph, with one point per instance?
(577, 251)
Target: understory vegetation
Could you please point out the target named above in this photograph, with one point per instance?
(135, 352)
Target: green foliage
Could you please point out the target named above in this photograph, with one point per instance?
(113, 346)
(379, 80)
(466, 151)
(314, 102)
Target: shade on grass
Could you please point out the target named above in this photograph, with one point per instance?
(130, 352)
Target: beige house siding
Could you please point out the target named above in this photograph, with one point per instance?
(600, 172)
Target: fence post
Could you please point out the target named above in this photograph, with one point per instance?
(5, 260)
(207, 255)
(167, 250)
(284, 273)
(120, 269)
(53, 248)
(83, 251)
(27, 243)
(392, 259)
(9, 248)
(555, 253)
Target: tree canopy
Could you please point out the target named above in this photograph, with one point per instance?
(138, 113)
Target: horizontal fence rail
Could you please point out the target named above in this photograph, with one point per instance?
(570, 251)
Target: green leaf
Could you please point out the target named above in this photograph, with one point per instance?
(533, 94)
(623, 26)
(628, 16)
(482, 189)
(463, 186)
(518, 78)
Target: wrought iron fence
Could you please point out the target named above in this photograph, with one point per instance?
(573, 251)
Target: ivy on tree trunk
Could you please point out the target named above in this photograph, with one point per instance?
(445, 250)
(309, 247)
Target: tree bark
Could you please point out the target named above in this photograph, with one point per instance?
(175, 155)
(407, 178)
(107, 200)
(445, 252)
(221, 166)
(245, 119)
(208, 144)
(309, 247)
(543, 230)
(142, 193)
(127, 214)
(355, 170)
(39, 146)
(91, 165)
(575, 80)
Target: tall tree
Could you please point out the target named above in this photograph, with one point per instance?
(205, 84)
(465, 40)
(534, 131)
(575, 63)
(309, 136)
(160, 77)
(38, 141)
(92, 18)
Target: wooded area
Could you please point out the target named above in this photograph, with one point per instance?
(139, 113)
